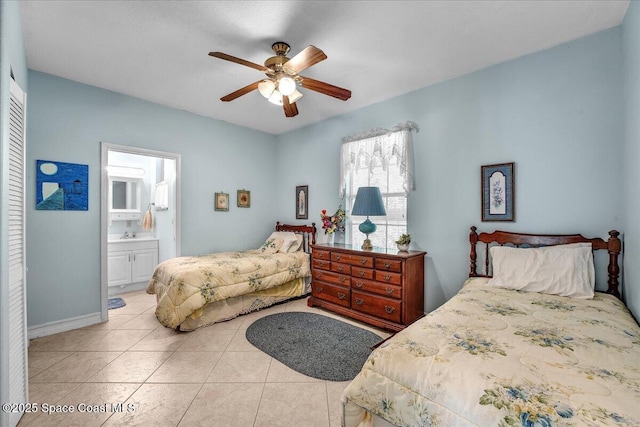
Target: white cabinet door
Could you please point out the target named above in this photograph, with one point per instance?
(119, 268)
(144, 262)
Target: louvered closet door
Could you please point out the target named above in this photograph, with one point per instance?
(18, 383)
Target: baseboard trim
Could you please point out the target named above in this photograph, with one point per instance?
(64, 325)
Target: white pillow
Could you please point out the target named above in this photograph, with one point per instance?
(295, 247)
(565, 270)
(289, 238)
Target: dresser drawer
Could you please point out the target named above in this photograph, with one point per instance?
(321, 264)
(335, 278)
(388, 277)
(361, 273)
(385, 308)
(383, 289)
(341, 268)
(320, 254)
(353, 259)
(332, 293)
(389, 264)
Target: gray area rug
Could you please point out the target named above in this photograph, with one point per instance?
(114, 303)
(315, 345)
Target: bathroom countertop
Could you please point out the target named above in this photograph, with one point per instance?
(119, 239)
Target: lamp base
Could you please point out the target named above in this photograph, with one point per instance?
(366, 245)
(367, 227)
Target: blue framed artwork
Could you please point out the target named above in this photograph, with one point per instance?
(62, 186)
(497, 192)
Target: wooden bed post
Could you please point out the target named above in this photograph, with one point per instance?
(473, 240)
(614, 247)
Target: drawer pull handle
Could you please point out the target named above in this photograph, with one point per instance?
(386, 277)
(341, 296)
(342, 279)
(389, 291)
(319, 288)
(361, 274)
(338, 257)
(363, 261)
(359, 285)
(387, 265)
(319, 274)
(388, 309)
(359, 301)
(341, 268)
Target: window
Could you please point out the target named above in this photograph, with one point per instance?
(383, 160)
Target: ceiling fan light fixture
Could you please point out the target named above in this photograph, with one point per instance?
(276, 98)
(286, 84)
(295, 96)
(266, 88)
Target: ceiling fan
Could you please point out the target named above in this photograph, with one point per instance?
(280, 86)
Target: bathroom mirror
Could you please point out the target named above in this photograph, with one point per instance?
(124, 194)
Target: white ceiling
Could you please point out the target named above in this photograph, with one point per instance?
(157, 50)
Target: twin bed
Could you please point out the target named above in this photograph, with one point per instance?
(201, 290)
(508, 349)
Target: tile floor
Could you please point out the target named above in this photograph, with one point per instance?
(209, 377)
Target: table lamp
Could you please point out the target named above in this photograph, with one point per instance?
(368, 202)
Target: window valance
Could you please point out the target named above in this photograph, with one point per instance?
(376, 148)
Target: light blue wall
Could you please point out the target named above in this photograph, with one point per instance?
(557, 114)
(631, 52)
(67, 121)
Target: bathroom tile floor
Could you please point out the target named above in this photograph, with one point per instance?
(133, 371)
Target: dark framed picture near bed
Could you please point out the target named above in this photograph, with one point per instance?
(302, 202)
(222, 202)
(498, 192)
(244, 198)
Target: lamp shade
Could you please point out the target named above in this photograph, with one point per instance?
(368, 202)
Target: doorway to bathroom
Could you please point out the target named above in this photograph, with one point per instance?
(140, 217)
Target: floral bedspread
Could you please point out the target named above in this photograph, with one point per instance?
(498, 357)
(186, 284)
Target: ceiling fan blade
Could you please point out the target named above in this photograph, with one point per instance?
(325, 88)
(290, 109)
(240, 61)
(311, 55)
(243, 91)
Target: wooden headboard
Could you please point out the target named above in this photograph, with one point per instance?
(308, 233)
(612, 245)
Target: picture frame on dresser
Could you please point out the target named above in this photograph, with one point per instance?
(497, 192)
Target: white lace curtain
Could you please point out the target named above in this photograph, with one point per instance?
(376, 148)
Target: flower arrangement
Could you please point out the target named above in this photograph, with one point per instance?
(333, 223)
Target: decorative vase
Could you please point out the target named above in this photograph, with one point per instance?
(403, 247)
(325, 238)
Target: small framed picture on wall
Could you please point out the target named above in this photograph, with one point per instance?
(497, 192)
(222, 202)
(302, 202)
(244, 198)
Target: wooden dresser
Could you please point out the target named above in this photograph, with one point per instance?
(382, 287)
